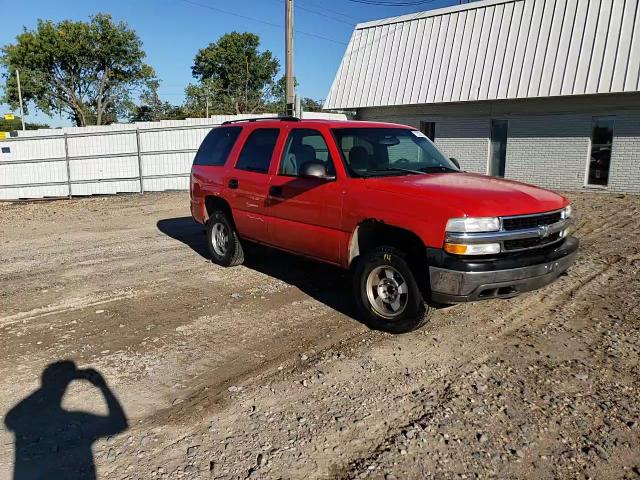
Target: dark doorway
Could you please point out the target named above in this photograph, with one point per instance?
(429, 129)
(53, 443)
(498, 154)
(601, 146)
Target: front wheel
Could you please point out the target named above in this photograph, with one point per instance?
(223, 241)
(387, 294)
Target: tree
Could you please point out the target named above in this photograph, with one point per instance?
(207, 91)
(16, 124)
(233, 74)
(153, 109)
(311, 105)
(90, 70)
(278, 101)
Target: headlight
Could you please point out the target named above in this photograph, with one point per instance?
(567, 211)
(472, 249)
(473, 225)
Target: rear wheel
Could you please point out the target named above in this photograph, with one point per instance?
(223, 241)
(387, 294)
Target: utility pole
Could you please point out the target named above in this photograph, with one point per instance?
(290, 93)
(20, 98)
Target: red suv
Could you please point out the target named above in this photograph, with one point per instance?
(381, 200)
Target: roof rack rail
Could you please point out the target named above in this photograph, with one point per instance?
(258, 119)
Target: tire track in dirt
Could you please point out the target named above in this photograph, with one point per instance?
(526, 315)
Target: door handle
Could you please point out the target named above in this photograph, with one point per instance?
(275, 190)
(233, 183)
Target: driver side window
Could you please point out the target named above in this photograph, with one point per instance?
(304, 145)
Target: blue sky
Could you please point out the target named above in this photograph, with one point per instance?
(174, 30)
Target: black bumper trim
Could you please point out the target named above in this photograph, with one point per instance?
(454, 280)
(436, 257)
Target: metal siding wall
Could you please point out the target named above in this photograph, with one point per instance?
(432, 44)
(492, 49)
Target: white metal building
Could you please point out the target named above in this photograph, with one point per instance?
(543, 91)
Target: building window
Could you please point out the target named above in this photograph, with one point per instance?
(6, 149)
(498, 154)
(601, 144)
(429, 129)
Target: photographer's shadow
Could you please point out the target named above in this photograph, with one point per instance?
(51, 442)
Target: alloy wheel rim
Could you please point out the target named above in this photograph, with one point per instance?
(387, 291)
(220, 239)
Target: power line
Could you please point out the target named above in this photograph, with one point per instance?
(389, 3)
(335, 11)
(264, 22)
(322, 14)
(307, 9)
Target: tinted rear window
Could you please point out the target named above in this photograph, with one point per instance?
(258, 150)
(216, 146)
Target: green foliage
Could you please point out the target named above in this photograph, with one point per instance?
(16, 124)
(88, 70)
(233, 74)
(153, 109)
(311, 105)
(278, 99)
(155, 113)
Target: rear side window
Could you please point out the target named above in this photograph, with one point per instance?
(216, 146)
(258, 150)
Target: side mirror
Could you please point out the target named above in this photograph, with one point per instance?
(455, 162)
(315, 169)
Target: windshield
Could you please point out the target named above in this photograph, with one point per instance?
(370, 152)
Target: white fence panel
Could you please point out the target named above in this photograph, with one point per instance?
(105, 187)
(33, 172)
(163, 184)
(145, 156)
(36, 191)
(104, 168)
(167, 163)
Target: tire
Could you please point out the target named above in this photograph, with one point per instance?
(223, 241)
(387, 295)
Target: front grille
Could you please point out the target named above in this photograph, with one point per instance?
(530, 242)
(531, 221)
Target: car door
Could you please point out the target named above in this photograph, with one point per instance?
(248, 183)
(306, 213)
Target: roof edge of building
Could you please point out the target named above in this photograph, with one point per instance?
(432, 13)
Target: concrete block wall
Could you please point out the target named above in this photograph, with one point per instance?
(465, 139)
(548, 149)
(624, 174)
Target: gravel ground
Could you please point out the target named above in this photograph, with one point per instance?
(261, 371)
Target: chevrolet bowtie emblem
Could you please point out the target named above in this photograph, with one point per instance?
(543, 231)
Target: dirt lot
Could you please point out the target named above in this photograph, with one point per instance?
(260, 371)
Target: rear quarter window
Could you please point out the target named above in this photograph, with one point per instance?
(216, 146)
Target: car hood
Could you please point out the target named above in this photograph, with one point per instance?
(475, 195)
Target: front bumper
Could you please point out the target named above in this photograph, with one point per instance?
(455, 280)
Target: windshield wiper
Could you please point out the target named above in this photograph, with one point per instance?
(396, 169)
(438, 168)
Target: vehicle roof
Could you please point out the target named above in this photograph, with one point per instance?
(317, 123)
